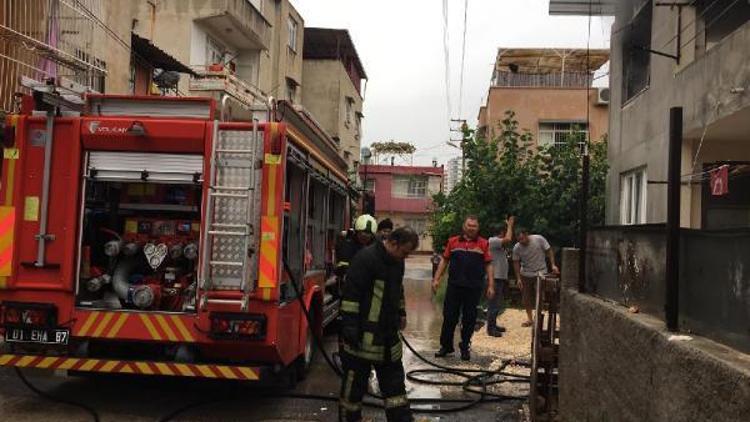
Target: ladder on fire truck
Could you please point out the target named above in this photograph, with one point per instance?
(230, 218)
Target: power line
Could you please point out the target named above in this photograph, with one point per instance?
(713, 21)
(687, 25)
(446, 54)
(463, 59)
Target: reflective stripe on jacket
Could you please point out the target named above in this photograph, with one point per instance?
(372, 305)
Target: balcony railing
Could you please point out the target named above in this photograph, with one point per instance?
(543, 80)
(217, 78)
(241, 14)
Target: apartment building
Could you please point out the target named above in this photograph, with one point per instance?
(453, 174)
(404, 194)
(695, 57)
(550, 91)
(333, 88)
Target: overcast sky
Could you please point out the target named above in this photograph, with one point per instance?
(400, 43)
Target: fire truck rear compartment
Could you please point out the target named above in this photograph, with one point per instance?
(139, 245)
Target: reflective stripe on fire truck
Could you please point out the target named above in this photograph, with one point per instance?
(8, 212)
(269, 246)
(158, 326)
(7, 227)
(132, 367)
(268, 265)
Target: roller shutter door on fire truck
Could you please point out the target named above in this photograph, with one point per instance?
(147, 167)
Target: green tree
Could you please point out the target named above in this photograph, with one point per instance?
(509, 175)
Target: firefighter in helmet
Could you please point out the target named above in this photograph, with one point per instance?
(373, 312)
(363, 234)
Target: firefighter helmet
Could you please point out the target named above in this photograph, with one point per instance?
(366, 222)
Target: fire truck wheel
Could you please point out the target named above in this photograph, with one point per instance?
(304, 361)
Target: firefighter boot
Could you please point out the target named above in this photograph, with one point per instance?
(353, 387)
(391, 381)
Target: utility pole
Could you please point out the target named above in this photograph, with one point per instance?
(461, 141)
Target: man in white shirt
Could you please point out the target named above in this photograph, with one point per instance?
(499, 253)
(529, 259)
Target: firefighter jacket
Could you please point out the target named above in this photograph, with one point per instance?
(373, 305)
(345, 251)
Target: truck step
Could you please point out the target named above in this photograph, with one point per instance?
(226, 263)
(229, 195)
(242, 188)
(235, 151)
(231, 225)
(225, 233)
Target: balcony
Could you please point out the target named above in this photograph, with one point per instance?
(219, 79)
(542, 80)
(239, 21)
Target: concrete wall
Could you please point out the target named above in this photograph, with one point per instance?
(533, 105)
(620, 366)
(326, 90)
(616, 365)
(321, 93)
(118, 15)
(284, 62)
(702, 84)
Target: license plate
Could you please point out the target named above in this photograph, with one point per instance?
(37, 335)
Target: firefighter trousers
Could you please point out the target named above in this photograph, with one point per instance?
(356, 372)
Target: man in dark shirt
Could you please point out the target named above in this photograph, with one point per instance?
(470, 262)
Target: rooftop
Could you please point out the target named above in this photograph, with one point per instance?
(387, 169)
(327, 43)
(550, 60)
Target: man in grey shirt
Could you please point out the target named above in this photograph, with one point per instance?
(499, 255)
(529, 259)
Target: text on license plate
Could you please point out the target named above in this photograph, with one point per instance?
(37, 335)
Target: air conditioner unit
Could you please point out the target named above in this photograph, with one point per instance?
(602, 96)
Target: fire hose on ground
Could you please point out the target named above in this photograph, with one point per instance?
(475, 381)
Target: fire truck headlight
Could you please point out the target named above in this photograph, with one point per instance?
(37, 314)
(191, 251)
(112, 248)
(143, 296)
(238, 327)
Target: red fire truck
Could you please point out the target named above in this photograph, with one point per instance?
(144, 235)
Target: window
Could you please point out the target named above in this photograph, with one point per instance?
(349, 111)
(214, 51)
(418, 224)
(719, 22)
(633, 197)
(292, 28)
(636, 63)
(410, 186)
(561, 133)
(291, 90)
(358, 126)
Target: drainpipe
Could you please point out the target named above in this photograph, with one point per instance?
(671, 306)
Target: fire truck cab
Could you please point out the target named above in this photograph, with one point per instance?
(144, 235)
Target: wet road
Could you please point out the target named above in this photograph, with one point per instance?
(136, 399)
